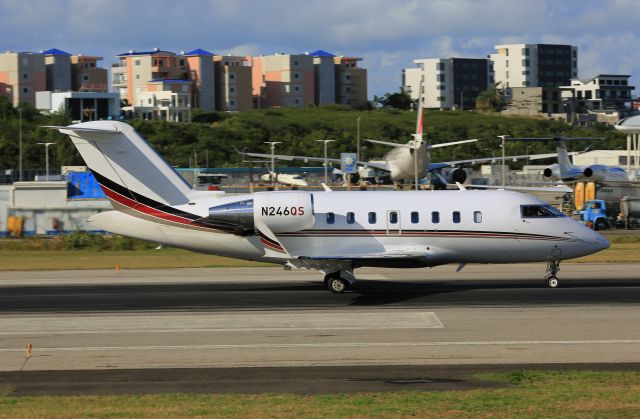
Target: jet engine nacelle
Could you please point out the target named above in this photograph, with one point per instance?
(595, 173)
(282, 212)
(552, 172)
(458, 175)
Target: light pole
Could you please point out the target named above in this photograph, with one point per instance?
(46, 158)
(326, 165)
(273, 160)
(20, 147)
(504, 174)
(358, 139)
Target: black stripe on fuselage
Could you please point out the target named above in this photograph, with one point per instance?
(116, 187)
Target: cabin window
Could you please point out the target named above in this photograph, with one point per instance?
(372, 218)
(393, 217)
(351, 218)
(540, 211)
(477, 216)
(435, 217)
(331, 218)
(456, 217)
(415, 217)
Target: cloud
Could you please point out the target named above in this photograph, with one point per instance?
(387, 35)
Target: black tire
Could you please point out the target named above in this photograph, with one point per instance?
(601, 224)
(337, 285)
(552, 282)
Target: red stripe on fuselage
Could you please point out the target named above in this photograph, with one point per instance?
(135, 205)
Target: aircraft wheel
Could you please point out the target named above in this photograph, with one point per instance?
(552, 282)
(337, 285)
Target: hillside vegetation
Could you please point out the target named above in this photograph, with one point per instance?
(222, 133)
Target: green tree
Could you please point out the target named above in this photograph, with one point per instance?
(491, 99)
(398, 100)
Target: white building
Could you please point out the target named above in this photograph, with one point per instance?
(534, 65)
(82, 106)
(447, 82)
(605, 92)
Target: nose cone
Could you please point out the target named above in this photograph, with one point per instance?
(595, 242)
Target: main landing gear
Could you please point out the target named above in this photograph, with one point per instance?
(339, 281)
(553, 267)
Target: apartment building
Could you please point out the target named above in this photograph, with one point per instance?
(447, 82)
(135, 69)
(233, 83)
(163, 99)
(201, 70)
(605, 92)
(532, 101)
(22, 74)
(86, 76)
(534, 65)
(58, 67)
(350, 82)
(324, 71)
(283, 80)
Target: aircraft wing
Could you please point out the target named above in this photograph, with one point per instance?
(452, 143)
(365, 255)
(397, 145)
(410, 146)
(291, 158)
(554, 188)
(500, 158)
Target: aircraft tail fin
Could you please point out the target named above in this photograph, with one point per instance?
(564, 162)
(126, 166)
(419, 117)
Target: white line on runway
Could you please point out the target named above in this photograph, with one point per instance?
(207, 322)
(332, 345)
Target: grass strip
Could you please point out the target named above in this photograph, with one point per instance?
(53, 254)
(533, 394)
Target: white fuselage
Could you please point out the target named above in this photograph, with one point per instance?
(447, 226)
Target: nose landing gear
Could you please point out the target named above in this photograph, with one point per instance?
(553, 267)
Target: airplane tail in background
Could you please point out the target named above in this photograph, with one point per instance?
(419, 119)
(126, 166)
(564, 162)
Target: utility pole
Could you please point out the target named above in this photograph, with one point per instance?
(326, 165)
(273, 160)
(504, 174)
(20, 147)
(358, 139)
(46, 158)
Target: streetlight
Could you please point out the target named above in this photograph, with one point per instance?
(273, 160)
(20, 147)
(46, 157)
(504, 174)
(358, 139)
(326, 165)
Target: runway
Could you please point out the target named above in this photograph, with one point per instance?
(263, 318)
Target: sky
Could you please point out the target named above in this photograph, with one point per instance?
(387, 34)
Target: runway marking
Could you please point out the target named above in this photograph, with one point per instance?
(275, 321)
(333, 345)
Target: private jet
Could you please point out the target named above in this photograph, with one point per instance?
(330, 231)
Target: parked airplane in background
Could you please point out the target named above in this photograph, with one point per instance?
(411, 160)
(567, 172)
(614, 185)
(404, 162)
(334, 232)
(284, 179)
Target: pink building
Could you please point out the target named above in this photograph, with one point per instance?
(283, 80)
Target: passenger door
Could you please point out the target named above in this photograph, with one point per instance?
(393, 222)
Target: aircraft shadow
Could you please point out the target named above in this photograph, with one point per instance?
(313, 295)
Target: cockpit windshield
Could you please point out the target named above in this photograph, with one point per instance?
(540, 211)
